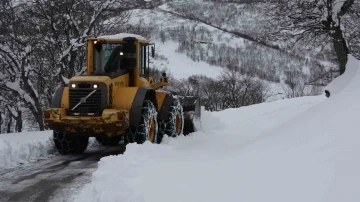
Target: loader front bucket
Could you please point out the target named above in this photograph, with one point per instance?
(192, 112)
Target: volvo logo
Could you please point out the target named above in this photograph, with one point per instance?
(83, 100)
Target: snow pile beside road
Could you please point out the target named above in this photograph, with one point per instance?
(26, 147)
(339, 83)
(204, 166)
(21, 148)
(302, 149)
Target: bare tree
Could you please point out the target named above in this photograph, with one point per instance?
(13, 108)
(65, 26)
(241, 90)
(313, 21)
(294, 83)
(42, 44)
(17, 52)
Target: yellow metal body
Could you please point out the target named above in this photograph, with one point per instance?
(107, 123)
(122, 97)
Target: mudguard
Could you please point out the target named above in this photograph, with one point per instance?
(137, 104)
(56, 100)
(165, 107)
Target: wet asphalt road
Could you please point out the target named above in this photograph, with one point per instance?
(54, 179)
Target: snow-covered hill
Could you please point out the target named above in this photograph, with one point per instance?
(194, 38)
(302, 149)
(180, 66)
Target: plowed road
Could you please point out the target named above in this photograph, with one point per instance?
(53, 179)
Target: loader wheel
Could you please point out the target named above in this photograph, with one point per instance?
(70, 144)
(147, 128)
(109, 141)
(173, 126)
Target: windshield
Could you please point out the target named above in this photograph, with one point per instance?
(108, 58)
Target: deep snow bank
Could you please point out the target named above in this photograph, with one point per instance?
(26, 147)
(339, 83)
(297, 150)
(203, 166)
(20, 148)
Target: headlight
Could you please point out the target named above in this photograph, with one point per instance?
(95, 86)
(73, 85)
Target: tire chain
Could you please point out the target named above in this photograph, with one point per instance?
(64, 143)
(137, 134)
(168, 126)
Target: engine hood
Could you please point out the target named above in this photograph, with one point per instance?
(103, 79)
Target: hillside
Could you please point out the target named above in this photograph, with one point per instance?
(221, 36)
(202, 45)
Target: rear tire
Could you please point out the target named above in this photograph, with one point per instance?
(70, 143)
(173, 126)
(147, 128)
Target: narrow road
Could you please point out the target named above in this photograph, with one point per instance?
(55, 179)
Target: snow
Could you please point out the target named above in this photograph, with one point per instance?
(27, 147)
(12, 110)
(180, 66)
(186, 168)
(16, 87)
(301, 149)
(121, 35)
(65, 80)
(337, 5)
(23, 148)
(336, 85)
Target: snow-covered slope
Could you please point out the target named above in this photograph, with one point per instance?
(338, 84)
(206, 166)
(180, 66)
(302, 149)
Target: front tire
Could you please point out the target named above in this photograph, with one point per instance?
(70, 143)
(147, 129)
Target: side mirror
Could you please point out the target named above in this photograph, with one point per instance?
(153, 51)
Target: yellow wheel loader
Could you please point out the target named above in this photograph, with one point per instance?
(117, 99)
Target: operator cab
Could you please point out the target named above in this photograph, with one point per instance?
(113, 58)
(116, 55)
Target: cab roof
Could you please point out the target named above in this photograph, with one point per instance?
(120, 37)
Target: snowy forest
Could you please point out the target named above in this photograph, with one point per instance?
(299, 45)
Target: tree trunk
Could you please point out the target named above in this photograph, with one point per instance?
(341, 49)
(1, 122)
(9, 125)
(40, 121)
(19, 122)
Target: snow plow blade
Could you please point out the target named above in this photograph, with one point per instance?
(192, 112)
